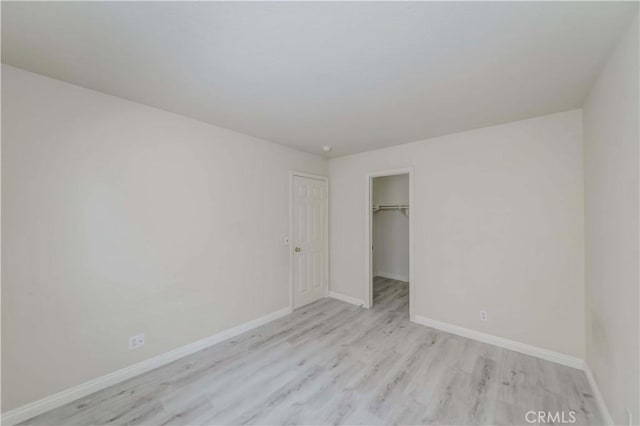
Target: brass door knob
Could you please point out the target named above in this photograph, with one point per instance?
(297, 249)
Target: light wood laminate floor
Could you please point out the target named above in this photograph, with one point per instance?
(335, 363)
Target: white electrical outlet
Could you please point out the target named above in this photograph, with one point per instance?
(483, 316)
(136, 341)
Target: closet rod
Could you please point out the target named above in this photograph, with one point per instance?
(377, 207)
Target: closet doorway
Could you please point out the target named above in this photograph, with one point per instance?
(389, 230)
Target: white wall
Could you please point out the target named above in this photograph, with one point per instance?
(498, 216)
(118, 219)
(390, 228)
(611, 135)
(390, 189)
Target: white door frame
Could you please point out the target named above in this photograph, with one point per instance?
(325, 179)
(369, 229)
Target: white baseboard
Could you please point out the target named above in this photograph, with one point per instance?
(398, 277)
(345, 298)
(557, 357)
(35, 408)
(604, 410)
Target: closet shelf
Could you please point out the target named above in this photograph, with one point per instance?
(402, 207)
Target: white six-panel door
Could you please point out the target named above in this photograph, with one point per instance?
(309, 239)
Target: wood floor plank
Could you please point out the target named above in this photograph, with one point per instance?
(334, 363)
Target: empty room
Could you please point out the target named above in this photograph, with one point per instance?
(320, 213)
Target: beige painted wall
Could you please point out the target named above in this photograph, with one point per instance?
(119, 219)
(498, 226)
(611, 135)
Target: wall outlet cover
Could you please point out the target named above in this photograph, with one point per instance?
(136, 341)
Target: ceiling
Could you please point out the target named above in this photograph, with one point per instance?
(353, 75)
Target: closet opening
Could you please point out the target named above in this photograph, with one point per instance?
(389, 220)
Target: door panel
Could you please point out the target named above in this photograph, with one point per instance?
(309, 240)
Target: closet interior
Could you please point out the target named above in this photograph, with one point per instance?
(390, 234)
